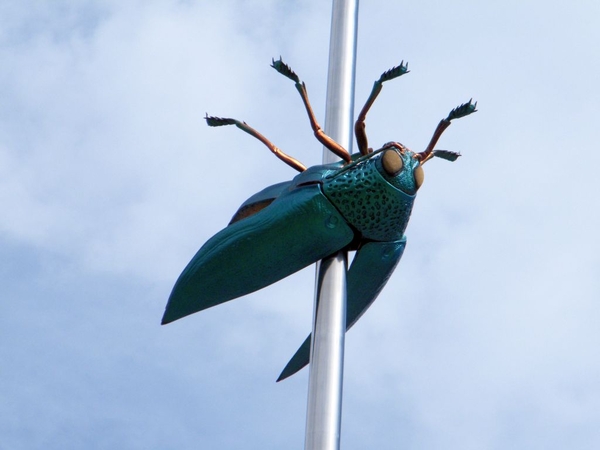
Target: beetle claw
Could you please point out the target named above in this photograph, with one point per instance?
(463, 110)
(394, 72)
(284, 70)
(213, 121)
(446, 154)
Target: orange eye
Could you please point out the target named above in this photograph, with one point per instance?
(392, 162)
(419, 176)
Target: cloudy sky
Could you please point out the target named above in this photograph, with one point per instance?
(487, 335)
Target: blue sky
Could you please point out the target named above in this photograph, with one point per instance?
(485, 337)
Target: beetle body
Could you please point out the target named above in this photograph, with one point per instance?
(362, 203)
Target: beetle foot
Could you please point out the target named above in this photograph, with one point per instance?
(285, 70)
(446, 154)
(213, 121)
(463, 110)
(394, 72)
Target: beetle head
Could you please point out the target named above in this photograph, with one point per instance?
(400, 167)
(404, 169)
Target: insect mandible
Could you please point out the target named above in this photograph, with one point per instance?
(361, 203)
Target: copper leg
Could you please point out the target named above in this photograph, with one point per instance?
(327, 141)
(360, 127)
(218, 121)
(319, 133)
(460, 111)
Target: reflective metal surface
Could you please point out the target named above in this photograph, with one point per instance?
(323, 416)
(339, 112)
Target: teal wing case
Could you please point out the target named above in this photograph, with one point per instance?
(297, 229)
(371, 268)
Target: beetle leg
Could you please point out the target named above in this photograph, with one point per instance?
(460, 111)
(323, 138)
(359, 126)
(219, 121)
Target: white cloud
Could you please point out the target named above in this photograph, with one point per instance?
(110, 181)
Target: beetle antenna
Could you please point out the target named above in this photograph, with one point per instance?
(460, 111)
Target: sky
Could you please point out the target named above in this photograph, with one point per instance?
(486, 336)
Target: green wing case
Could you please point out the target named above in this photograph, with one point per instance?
(297, 229)
(369, 272)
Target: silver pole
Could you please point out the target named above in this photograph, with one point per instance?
(324, 406)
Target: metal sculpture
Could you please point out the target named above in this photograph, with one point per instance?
(361, 203)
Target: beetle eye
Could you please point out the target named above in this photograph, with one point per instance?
(419, 176)
(392, 162)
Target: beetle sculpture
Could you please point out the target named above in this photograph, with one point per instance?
(361, 203)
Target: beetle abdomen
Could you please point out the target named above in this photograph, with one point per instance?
(378, 210)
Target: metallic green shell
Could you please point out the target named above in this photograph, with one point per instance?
(322, 210)
(297, 229)
(369, 272)
(374, 203)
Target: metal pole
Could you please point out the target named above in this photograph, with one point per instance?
(324, 406)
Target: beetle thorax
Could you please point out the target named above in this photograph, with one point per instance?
(372, 205)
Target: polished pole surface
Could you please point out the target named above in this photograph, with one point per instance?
(324, 406)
